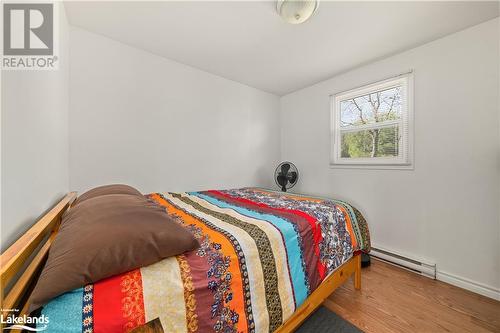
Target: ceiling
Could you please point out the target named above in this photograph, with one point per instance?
(246, 41)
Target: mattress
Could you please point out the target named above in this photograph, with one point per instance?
(261, 254)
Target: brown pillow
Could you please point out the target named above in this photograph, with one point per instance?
(105, 190)
(105, 236)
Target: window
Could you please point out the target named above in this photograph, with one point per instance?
(371, 125)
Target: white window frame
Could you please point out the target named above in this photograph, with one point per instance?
(404, 160)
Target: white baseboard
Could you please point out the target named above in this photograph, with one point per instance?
(464, 283)
(423, 265)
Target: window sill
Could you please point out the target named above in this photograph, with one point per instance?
(373, 166)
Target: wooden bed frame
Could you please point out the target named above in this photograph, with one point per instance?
(21, 264)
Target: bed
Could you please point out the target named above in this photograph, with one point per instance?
(266, 260)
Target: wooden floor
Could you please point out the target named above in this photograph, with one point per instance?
(395, 300)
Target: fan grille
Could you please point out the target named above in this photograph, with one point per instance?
(286, 175)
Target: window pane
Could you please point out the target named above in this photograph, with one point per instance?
(372, 108)
(380, 142)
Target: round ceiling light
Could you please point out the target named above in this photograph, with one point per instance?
(296, 11)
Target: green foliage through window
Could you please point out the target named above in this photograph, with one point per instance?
(380, 142)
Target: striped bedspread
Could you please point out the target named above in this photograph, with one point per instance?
(261, 254)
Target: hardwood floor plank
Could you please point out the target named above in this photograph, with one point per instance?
(395, 300)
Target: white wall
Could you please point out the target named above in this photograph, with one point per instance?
(34, 141)
(446, 209)
(159, 125)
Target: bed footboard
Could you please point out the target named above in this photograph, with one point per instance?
(328, 286)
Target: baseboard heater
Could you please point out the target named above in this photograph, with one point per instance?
(417, 266)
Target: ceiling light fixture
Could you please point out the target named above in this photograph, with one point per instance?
(296, 11)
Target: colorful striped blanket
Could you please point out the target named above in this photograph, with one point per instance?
(261, 254)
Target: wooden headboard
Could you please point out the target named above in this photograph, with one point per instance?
(26, 257)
